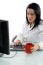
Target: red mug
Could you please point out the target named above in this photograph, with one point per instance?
(28, 47)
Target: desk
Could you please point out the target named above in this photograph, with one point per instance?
(22, 58)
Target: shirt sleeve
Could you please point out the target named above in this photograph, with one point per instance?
(20, 36)
(41, 40)
(41, 36)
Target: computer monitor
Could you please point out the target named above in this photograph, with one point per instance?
(4, 37)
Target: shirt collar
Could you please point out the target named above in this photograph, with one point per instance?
(29, 28)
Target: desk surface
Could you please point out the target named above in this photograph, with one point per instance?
(22, 58)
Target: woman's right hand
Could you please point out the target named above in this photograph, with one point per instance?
(17, 42)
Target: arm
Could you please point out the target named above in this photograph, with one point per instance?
(40, 44)
(20, 36)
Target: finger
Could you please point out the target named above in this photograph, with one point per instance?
(31, 47)
(33, 50)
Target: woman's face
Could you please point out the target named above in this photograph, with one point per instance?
(31, 15)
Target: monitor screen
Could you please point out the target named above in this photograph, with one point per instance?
(4, 37)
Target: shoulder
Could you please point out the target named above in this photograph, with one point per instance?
(40, 26)
(25, 25)
(41, 22)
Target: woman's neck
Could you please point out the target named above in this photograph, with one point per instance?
(31, 25)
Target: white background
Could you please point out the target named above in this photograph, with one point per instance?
(15, 12)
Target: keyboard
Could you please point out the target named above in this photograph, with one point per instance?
(16, 48)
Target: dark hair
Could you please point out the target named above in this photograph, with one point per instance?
(37, 11)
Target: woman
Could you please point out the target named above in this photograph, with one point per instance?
(33, 28)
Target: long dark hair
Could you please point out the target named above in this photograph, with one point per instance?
(37, 11)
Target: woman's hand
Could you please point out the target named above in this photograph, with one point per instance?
(35, 48)
(17, 42)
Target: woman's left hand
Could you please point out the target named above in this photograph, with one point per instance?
(35, 48)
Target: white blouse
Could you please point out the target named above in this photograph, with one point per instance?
(33, 36)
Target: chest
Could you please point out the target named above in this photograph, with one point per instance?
(32, 35)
